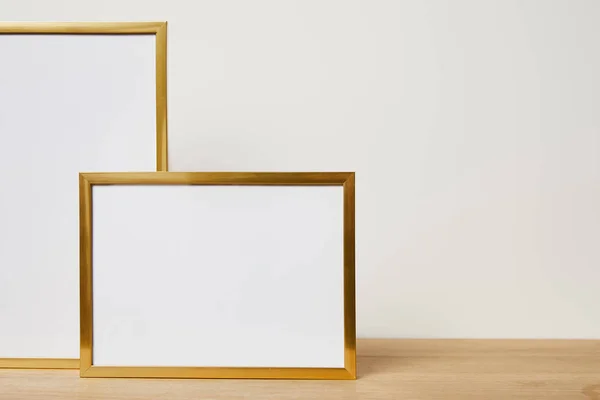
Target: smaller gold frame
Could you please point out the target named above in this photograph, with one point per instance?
(88, 180)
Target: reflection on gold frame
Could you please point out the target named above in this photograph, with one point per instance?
(102, 28)
(87, 180)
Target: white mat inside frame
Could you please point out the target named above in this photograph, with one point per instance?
(218, 276)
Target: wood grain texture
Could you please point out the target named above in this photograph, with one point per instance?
(387, 369)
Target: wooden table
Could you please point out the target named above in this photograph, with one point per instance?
(388, 369)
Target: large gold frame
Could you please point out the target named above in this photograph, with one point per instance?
(102, 28)
(88, 180)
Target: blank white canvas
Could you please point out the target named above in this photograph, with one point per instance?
(225, 276)
(68, 103)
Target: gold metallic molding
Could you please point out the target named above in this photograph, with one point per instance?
(40, 363)
(161, 98)
(103, 28)
(87, 180)
(117, 28)
(218, 178)
(217, 373)
(83, 28)
(349, 278)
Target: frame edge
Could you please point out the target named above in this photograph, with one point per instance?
(39, 363)
(349, 276)
(85, 273)
(219, 178)
(161, 99)
(218, 373)
(92, 27)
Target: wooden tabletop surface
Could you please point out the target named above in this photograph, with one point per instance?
(388, 369)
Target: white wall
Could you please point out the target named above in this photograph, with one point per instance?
(473, 126)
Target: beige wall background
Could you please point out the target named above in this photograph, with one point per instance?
(473, 127)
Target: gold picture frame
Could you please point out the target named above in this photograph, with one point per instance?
(102, 28)
(86, 183)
